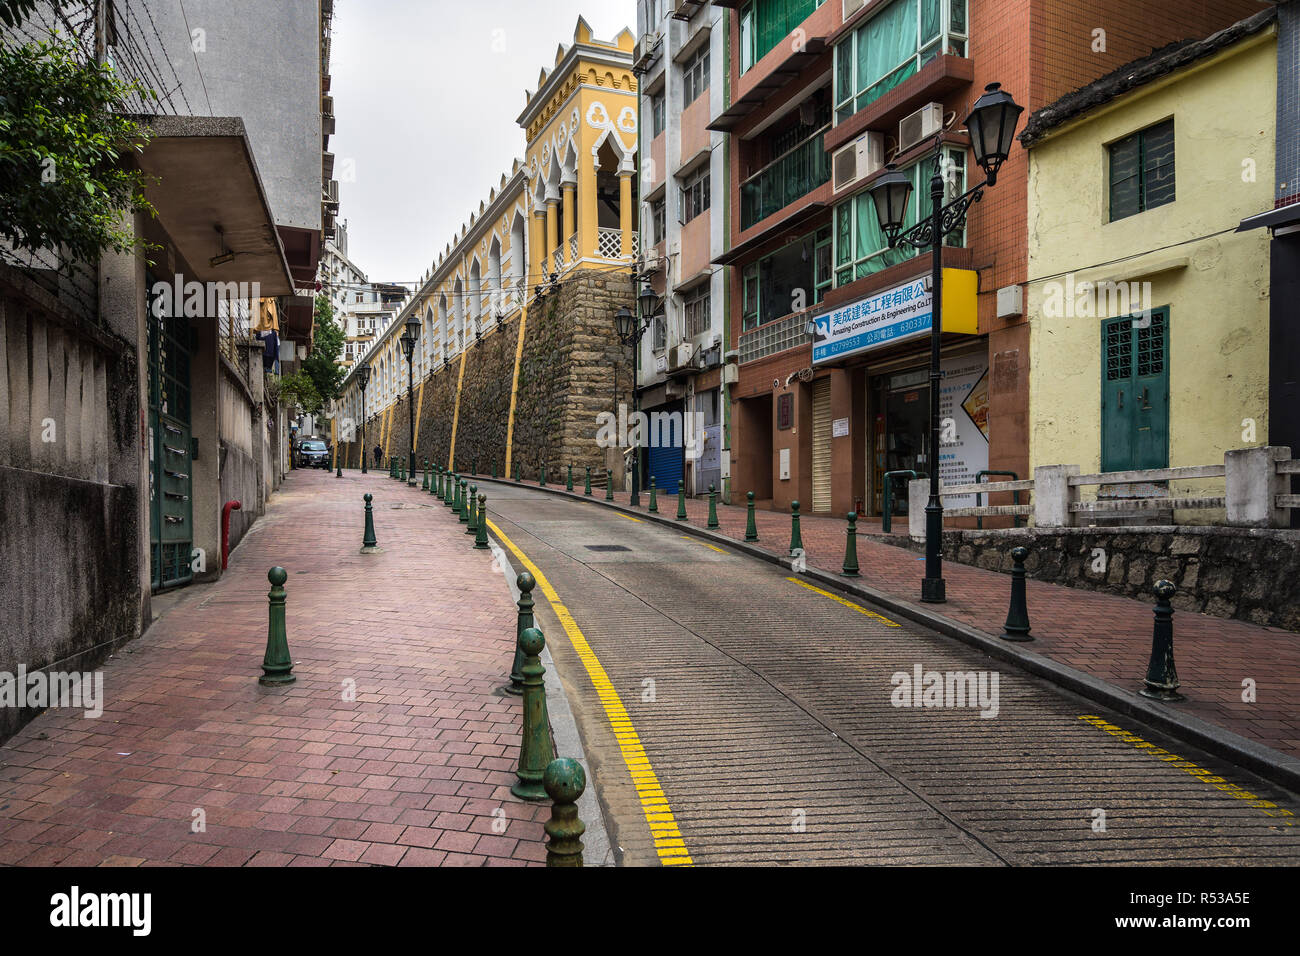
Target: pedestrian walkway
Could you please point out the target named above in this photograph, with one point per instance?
(393, 747)
(1103, 635)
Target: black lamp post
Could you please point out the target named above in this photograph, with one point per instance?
(992, 128)
(630, 329)
(363, 379)
(408, 340)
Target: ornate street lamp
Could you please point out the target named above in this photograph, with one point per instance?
(408, 340)
(992, 128)
(630, 328)
(363, 379)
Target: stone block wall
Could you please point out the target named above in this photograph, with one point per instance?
(1244, 573)
(566, 379)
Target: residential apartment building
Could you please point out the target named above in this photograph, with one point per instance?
(821, 95)
(363, 309)
(139, 389)
(681, 61)
(1149, 338)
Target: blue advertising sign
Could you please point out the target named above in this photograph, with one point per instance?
(900, 313)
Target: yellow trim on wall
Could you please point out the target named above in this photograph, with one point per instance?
(514, 390)
(419, 407)
(455, 415)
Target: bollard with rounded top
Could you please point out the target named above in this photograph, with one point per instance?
(277, 665)
(850, 567)
(424, 484)
(541, 475)
(480, 536)
(473, 466)
(525, 582)
(1162, 677)
(471, 526)
(519, 472)
(1017, 626)
(449, 488)
(654, 501)
(392, 467)
(535, 748)
(564, 781)
(796, 537)
(713, 507)
(609, 485)
(751, 526)
(338, 464)
(369, 544)
(494, 469)
(462, 488)
(587, 488)
(568, 484)
(681, 501)
(435, 478)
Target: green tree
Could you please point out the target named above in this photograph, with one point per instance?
(298, 389)
(63, 135)
(322, 365)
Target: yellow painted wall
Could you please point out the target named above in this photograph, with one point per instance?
(1216, 288)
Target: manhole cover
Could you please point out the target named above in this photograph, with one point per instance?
(606, 547)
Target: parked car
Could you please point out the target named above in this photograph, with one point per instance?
(313, 453)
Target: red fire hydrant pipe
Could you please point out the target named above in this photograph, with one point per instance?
(225, 530)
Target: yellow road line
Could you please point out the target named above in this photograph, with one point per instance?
(703, 544)
(1205, 776)
(629, 517)
(847, 603)
(668, 838)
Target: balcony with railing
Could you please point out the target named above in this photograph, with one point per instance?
(792, 175)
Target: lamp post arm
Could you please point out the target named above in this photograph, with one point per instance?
(952, 214)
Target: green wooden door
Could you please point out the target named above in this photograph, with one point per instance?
(1135, 393)
(170, 451)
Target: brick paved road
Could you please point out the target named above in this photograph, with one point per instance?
(414, 772)
(1103, 635)
(765, 711)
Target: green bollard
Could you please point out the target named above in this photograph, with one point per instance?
(536, 748)
(461, 487)
(370, 544)
(1162, 677)
(277, 665)
(401, 469)
(751, 526)
(565, 781)
(435, 480)
(471, 526)
(654, 502)
(568, 484)
(392, 464)
(519, 472)
(446, 488)
(338, 465)
(424, 484)
(480, 535)
(473, 466)
(850, 567)
(1017, 626)
(713, 507)
(609, 484)
(796, 538)
(681, 501)
(587, 487)
(525, 582)
(494, 469)
(541, 476)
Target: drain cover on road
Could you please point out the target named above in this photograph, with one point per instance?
(606, 547)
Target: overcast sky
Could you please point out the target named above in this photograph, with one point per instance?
(426, 108)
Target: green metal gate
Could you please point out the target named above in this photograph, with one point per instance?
(171, 450)
(1135, 393)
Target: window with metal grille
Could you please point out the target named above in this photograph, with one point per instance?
(695, 195)
(1142, 171)
(695, 75)
(697, 304)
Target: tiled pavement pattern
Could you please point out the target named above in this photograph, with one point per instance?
(1103, 635)
(414, 772)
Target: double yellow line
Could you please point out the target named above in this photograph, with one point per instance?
(654, 803)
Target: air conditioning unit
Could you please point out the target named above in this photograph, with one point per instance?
(852, 6)
(645, 51)
(924, 123)
(679, 356)
(858, 160)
